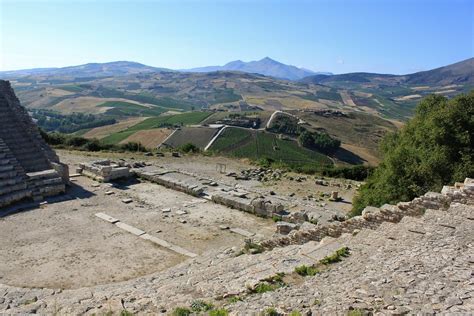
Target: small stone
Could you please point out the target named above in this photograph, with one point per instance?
(182, 221)
(127, 201)
(109, 192)
(223, 227)
(166, 210)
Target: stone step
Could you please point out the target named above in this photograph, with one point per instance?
(14, 197)
(12, 188)
(7, 174)
(11, 181)
(6, 168)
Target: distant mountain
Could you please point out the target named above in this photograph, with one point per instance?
(115, 68)
(265, 66)
(458, 73)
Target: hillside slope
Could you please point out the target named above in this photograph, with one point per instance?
(458, 73)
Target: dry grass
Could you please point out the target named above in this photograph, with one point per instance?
(149, 138)
(104, 131)
(347, 98)
(87, 105)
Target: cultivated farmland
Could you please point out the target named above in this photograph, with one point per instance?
(255, 145)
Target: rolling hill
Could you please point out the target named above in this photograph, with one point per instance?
(458, 73)
(131, 89)
(116, 68)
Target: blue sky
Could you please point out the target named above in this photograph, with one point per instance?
(385, 36)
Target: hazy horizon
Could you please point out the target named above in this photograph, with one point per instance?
(396, 37)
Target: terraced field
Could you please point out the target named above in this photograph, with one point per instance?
(255, 145)
(198, 136)
(188, 118)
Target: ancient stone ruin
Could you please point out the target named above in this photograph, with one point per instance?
(104, 170)
(29, 169)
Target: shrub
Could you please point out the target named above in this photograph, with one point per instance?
(271, 312)
(235, 299)
(189, 148)
(434, 148)
(335, 257)
(306, 270)
(181, 311)
(133, 146)
(270, 284)
(358, 173)
(219, 312)
(201, 306)
(320, 141)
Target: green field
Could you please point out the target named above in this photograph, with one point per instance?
(71, 88)
(120, 108)
(256, 145)
(188, 118)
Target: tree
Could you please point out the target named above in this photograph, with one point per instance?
(434, 148)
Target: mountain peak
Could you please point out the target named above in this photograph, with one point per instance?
(268, 59)
(265, 66)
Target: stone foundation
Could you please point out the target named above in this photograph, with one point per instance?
(104, 170)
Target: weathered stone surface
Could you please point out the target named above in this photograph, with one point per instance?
(390, 270)
(28, 167)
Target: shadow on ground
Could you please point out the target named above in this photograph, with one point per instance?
(73, 192)
(349, 157)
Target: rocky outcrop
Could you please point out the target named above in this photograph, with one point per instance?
(29, 168)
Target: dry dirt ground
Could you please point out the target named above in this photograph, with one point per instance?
(62, 244)
(149, 138)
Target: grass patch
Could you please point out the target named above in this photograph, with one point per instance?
(120, 108)
(355, 312)
(269, 284)
(181, 311)
(201, 306)
(235, 299)
(306, 270)
(336, 257)
(253, 248)
(71, 88)
(218, 312)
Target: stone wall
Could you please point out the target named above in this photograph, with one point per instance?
(216, 192)
(372, 217)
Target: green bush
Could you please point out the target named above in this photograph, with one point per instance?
(306, 270)
(189, 148)
(181, 311)
(201, 306)
(219, 312)
(79, 143)
(336, 256)
(271, 312)
(319, 141)
(358, 173)
(436, 147)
